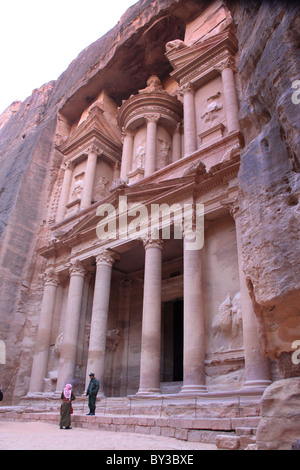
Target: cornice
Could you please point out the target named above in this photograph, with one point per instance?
(138, 107)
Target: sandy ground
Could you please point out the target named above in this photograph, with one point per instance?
(44, 436)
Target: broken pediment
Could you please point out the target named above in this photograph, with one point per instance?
(200, 59)
(94, 126)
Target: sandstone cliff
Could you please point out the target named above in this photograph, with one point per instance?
(269, 177)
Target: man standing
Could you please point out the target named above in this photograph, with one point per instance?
(91, 392)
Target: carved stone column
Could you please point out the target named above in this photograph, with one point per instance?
(126, 154)
(176, 143)
(97, 346)
(71, 326)
(89, 177)
(40, 359)
(227, 69)
(194, 322)
(151, 144)
(257, 366)
(65, 191)
(189, 114)
(151, 328)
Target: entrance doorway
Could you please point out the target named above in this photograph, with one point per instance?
(172, 341)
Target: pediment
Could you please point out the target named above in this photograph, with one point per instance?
(183, 58)
(94, 126)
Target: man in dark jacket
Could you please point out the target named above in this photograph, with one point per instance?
(91, 392)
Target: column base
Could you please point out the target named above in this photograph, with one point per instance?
(192, 389)
(146, 392)
(258, 385)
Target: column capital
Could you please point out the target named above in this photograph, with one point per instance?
(107, 258)
(93, 148)
(51, 278)
(178, 128)
(69, 165)
(187, 88)
(116, 165)
(233, 207)
(76, 268)
(126, 133)
(228, 63)
(152, 118)
(150, 243)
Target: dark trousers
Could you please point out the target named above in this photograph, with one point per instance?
(92, 403)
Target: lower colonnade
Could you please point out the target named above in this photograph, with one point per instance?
(257, 367)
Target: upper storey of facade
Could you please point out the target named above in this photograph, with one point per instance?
(165, 130)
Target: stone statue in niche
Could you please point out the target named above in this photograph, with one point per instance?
(78, 188)
(140, 157)
(163, 154)
(102, 182)
(228, 323)
(100, 188)
(153, 85)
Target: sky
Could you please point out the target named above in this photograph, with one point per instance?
(40, 38)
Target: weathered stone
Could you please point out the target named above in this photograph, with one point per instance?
(227, 442)
(279, 426)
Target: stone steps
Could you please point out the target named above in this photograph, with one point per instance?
(243, 438)
(224, 432)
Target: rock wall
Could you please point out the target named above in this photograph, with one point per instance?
(269, 177)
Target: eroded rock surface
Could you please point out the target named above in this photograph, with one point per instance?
(269, 178)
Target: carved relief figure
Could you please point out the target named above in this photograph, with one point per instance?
(100, 188)
(163, 154)
(228, 323)
(211, 113)
(78, 188)
(140, 157)
(153, 85)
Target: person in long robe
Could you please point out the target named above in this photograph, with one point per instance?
(67, 396)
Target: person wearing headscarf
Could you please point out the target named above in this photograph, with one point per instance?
(67, 396)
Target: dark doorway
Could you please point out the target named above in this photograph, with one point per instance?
(172, 341)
